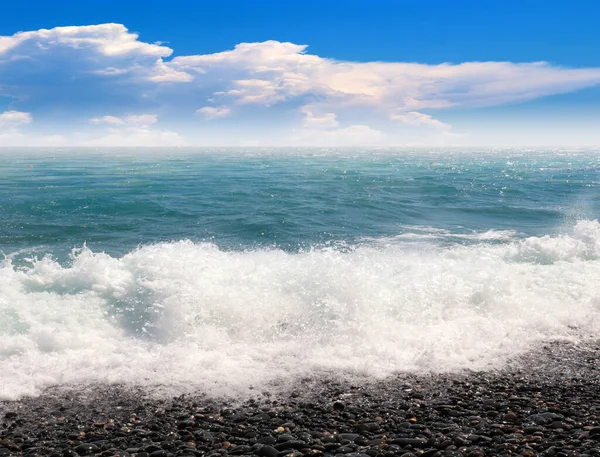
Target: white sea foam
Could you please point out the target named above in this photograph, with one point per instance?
(189, 316)
(433, 233)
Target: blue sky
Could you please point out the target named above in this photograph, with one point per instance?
(271, 73)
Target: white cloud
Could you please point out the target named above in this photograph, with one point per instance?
(275, 88)
(266, 56)
(419, 119)
(131, 131)
(210, 112)
(323, 121)
(10, 123)
(435, 132)
(162, 73)
(111, 120)
(141, 120)
(271, 72)
(11, 135)
(274, 72)
(13, 118)
(106, 39)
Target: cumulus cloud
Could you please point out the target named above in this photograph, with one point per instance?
(105, 39)
(272, 72)
(78, 71)
(210, 112)
(163, 73)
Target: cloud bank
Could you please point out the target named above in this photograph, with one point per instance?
(94, 85)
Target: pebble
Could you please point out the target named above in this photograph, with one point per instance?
(87, 449)
(267, 451)
(339, 406)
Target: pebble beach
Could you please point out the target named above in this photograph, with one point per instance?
(545, 403)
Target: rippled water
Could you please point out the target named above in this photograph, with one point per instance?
(226, 269)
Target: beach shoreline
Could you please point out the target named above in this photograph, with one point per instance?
(546, 403)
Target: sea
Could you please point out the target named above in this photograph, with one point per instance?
(226, 271)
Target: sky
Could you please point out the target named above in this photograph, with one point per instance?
(511, 73)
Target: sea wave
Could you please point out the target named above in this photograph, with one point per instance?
(190, 316)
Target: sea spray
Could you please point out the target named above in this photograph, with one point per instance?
(192, 316)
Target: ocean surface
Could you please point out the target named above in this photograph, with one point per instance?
(226, 270)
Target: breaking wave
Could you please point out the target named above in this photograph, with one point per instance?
(189, 316)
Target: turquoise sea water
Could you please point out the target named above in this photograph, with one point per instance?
(52, 201)
(222, 271)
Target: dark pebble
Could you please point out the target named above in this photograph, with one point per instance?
(267, 451)
(290, 444)
(348, 436)
(414, 442)
(284, 437)
(268, 440)
(338, 406)
(87, 449)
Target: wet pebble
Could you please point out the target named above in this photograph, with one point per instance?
(475, 414)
